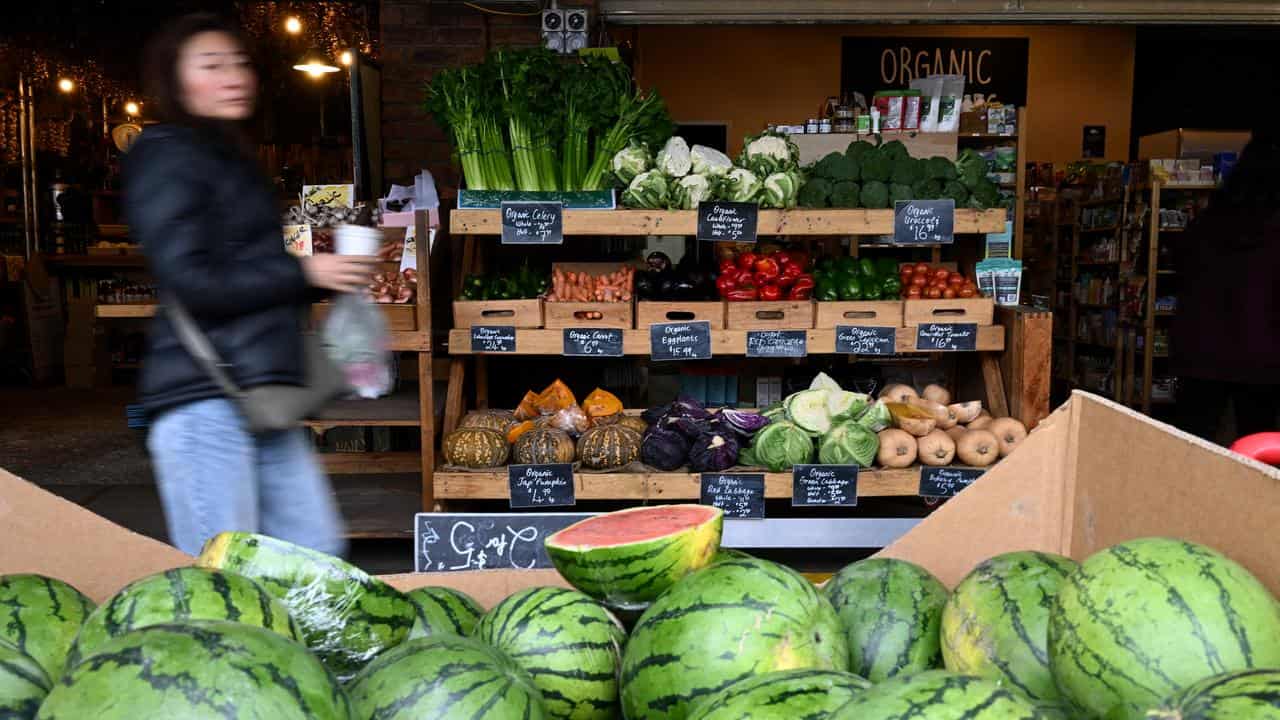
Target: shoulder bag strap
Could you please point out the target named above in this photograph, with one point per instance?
(197, 343)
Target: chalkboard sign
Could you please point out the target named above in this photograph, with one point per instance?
(532, 223)
(824, 485)
(777, 343)
(680, 341)
(728, 221)
(593, 342)
(739, 495)
(541, 485)
(864, 340)
(493, 338)
(924, 222)
(448, 542)
(947, 336)
(946, 481)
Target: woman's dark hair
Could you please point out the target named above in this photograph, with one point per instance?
(1246, 205)
(160, 66)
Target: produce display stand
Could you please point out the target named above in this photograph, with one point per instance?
(1074, 487)
(1006, 350)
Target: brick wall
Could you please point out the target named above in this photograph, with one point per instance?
(419, 37)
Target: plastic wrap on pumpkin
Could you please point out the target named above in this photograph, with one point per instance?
(664, 449)
(520, 428)
(603, 407)
(528, 408)
(571, 420)
(556, 397)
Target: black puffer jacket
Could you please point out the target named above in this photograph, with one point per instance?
(211, 232)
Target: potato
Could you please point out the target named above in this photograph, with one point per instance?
(966, 412)
(937, 448)
(937, 393)
(897, 448)
(1009, 432)
(978, 448)
(899, 393)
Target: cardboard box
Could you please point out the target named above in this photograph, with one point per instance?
(1076, 486)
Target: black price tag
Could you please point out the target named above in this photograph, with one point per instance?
(680, 341)
(739, 495)
(493, 338)
(451, 542)
(924, 222)
(728, 221)
(824, 485)
(541, 485)
(947, 336)
(777, 343)
(866, 340)
(946, 481)
(593, 342)
(532, 223)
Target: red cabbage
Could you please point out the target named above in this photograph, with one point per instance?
(744, 423)
(713, 452)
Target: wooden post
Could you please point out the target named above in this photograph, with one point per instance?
(426, 401)
(997, 402)
(1027, 362)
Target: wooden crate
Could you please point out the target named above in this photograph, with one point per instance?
(870, 313)
(401, 317)
(518, 313)
(650, 312)
(574, 314)
(769, 315)
(956, 310)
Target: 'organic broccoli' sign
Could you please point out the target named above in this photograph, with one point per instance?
(924, 222)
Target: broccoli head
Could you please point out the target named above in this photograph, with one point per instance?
(836, 166)
(939, 168)
(876, 166)
(971, 167)
(875, 195)
(899, 192)
(907, 171)
(857, 149)
(985, 195)
(928, 189)
(955, 190)
(816, 193)
(845, 194)
(894, 149)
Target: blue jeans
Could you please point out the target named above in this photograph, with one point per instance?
(215, 476)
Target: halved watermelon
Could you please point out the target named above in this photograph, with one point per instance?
(630, 557)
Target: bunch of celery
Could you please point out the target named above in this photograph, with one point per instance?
(465, 107)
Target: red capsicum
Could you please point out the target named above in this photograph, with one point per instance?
(725, 283)
(747, 261)
(768, 269)
(770, 292)
(802, 289)
(728, 266)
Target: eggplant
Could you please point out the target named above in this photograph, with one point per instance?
(646, 288)
(683, 289)
(659, 261)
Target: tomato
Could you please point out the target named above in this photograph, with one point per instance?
(967, 292)
(968, 285)
(919, 280)
(921, 267)
(955, 279)
(933, 293)
(905, 273)
(913, 292)
(949, 293)
(941, 274)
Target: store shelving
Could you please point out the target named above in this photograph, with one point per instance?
(1019, 186)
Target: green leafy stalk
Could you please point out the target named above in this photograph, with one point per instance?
(636, 115)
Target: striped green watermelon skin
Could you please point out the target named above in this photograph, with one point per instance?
(728, 622)
(938, 695)
(1144, 619)
(347, 616)
(996, 622)
(179, 595)
(1241, 695)
(23, 684)
(444, 677)
(41, 616)
(443, 610)
(199, 669)
(783, 695)
(891, 611)
(569, 645)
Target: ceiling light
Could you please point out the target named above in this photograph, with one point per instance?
(66, 85)
(292, 25)
(131, 108)
(346, 58)
(315, 64)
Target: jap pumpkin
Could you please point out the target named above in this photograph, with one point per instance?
(544, 445)
(519, 429)
(528, 408)
(496, 420)
(475, 448)
(602, 404)
(635, 422)
(557, 396)
(606, 446)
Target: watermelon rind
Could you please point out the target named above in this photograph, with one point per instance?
(629, 576)
(443, 610)
(567, 642)
(730, 621)
(182, 594)
(347, 616)
(1139, 621)
(195, 670)
(995, 624)
(1241, 695)
(938, 695)
(41, 616)
(782, 695)
(444, 677)
(891, 612)
(23, 683)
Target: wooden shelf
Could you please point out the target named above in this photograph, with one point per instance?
(370, 463)
(660, 486)
(723, 342)
(400, 409)
(985, 136)
(128, 260)
(124, 311)
(685, 222)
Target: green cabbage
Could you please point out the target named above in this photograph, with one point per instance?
(876, 417)
(848, 444)
(844, 405)
(781, 445)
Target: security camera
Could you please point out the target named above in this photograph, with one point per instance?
(552, 21)
(575, 20)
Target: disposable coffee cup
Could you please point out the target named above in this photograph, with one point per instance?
(357, 240)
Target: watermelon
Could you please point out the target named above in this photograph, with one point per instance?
(569, 645)
(23, 684)
(1139, 621)
(41, 616)
(938, 695)
(891, 611)
(195, 670)
(782, 695)
(179, 595)
(346, 615)
(996, 622)
(1240, 695)
(444, 677)
(722, 624)
(443, 610)
(630, 557)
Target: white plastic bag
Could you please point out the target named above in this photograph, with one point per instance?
(356, 338)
